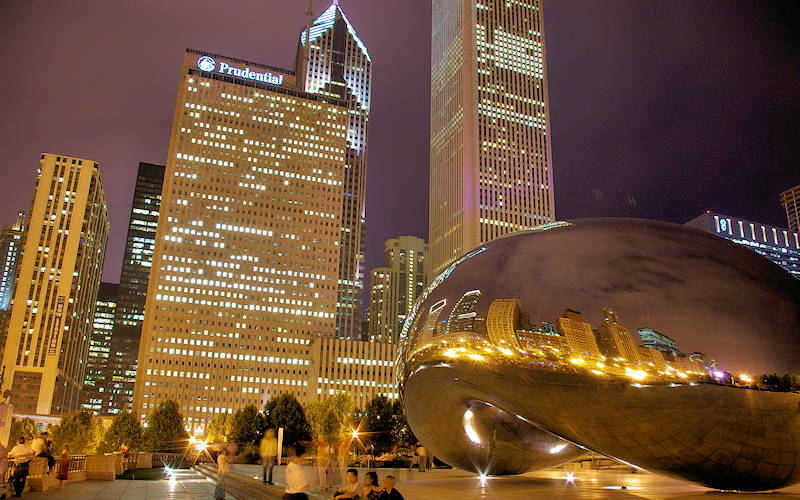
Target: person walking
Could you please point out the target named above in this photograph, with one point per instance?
(422, 453)
(63, 467)
(296, 481)
(223, 467)
(268, 449)
(22, 454)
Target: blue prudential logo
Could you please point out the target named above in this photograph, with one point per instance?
(206, 63)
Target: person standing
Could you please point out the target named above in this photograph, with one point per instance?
(22, 454)
(63, 467)
(422, 453)
(223, 467)
(268, 449)
(296, 481)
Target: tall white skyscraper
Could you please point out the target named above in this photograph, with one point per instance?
(339, 65)
(491, 166)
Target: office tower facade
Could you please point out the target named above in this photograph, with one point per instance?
(779, 245)
(578, 334)
(503, 320)
(614, 340)
(247, 247)
(490, 149)
(10, 246)
(395, 287)
(657, 340)
(336, 63)
(362, 369)
(58, 278)
(790, 199)
(95, 396)
(136, 264)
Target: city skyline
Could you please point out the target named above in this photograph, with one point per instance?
(703, 101)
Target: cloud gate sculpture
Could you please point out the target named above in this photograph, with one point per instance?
(644, 341)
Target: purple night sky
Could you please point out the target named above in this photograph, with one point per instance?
(658, 109)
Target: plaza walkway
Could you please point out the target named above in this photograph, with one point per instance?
(187, 485)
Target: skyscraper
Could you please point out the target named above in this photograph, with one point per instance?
(95, 395)
(247, 247)
(339, 65)
(10, 245)
(136, 264)
(55, 297)
(578, 334)
(491, 162)
(614, 340)
(395, 286)
(790, 199)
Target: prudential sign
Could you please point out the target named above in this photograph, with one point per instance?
(206, 63)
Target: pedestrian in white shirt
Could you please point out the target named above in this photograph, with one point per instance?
(296, 482)
(22, 454)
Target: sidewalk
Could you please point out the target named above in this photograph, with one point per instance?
(187, 485)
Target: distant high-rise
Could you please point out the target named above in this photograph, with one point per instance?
(136, 264)
(10, 245)
(777, 244)
(502, 322)
(395, 287)
(490, 171)
(614, 340)
(336, 63)
(659, 341)
(58, 278)
(96, 396)
(578, 334)
(790, 199)
(247, 246)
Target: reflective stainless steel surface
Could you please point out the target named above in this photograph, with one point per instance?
(640, 340)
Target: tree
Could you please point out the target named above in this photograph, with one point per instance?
(379, 421)
(247, 425)
(22, 427)
(331, 418)
(165, 430)
(220, 428)
(80, 430)
(124, 429)
(401, 431)
(285, 411)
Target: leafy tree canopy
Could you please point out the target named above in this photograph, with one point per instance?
(287, 412)
(402, 434)
(165, 430)
(220, 428)
(379, 422)
(80, 430)
(22, 427)
(247, 425)
(331, 418)
(125, 429)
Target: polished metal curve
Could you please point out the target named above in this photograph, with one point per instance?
(648, 342)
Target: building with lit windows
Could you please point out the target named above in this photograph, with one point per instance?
(577, 334)
(614, 340)
(490, 171)
(58, 278)
(336, 63)
(790, 199)
(136, 264)
(658, 341)
(396, 286)
(503, 320)
(779, 245)
(95, 394)
(10, 245)
(362, 369)
(246, 257)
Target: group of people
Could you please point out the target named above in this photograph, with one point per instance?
(422, 459)
(297, 484)
(22, 454)
(369, 489)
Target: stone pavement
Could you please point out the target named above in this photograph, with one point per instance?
(186, 485)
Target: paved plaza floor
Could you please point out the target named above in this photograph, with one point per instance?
(438, 485)
(187, 485)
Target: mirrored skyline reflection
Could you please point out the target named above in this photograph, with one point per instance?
(726, 308)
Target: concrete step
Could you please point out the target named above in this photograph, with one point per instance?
(242, 487)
